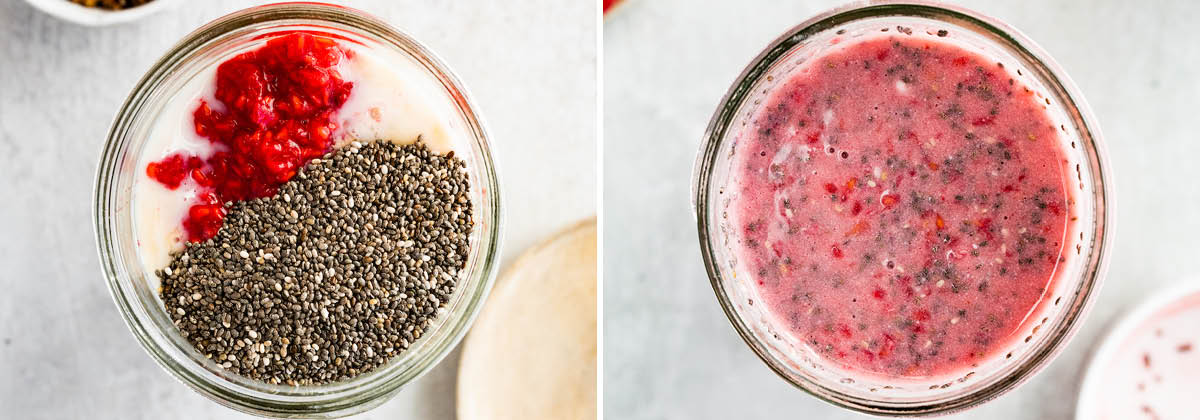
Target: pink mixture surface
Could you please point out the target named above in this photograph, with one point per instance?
(901, 206)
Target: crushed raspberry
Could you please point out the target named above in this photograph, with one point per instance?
(172, 169)
(204, 220)
(844, 330)
(279, 102)
(888, 200)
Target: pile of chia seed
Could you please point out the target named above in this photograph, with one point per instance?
(111, 4)
(342, 269)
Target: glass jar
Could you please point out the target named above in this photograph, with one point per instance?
(1063, 307)
(130, 283)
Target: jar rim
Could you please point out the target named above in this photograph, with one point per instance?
(713, 145)
(339, 398)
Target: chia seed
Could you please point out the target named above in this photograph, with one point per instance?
(305, 288)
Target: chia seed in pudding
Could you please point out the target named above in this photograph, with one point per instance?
(901, 205)
(342, 269)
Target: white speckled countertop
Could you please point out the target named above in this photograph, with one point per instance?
(64, 350)
(670, 352)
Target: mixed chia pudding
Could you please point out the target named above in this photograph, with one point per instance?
(900, 205)
(302, 209)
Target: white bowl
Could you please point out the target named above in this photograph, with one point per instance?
(1088, 406)
(89, 16)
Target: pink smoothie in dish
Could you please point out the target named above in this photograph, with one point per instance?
(901, 206)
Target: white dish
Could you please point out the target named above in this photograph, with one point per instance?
(532, 352)
(89, 16)
(1108, 368)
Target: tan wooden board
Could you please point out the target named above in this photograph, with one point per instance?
(532, 353)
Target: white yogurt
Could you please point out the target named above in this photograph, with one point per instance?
(393, 98)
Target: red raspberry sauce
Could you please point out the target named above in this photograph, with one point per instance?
(278, 102)
(609, 5)
(901, 206)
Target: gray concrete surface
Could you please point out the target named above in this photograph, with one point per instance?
(669, 351)
(64, 350)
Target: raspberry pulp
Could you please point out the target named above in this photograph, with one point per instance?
(278, 104)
